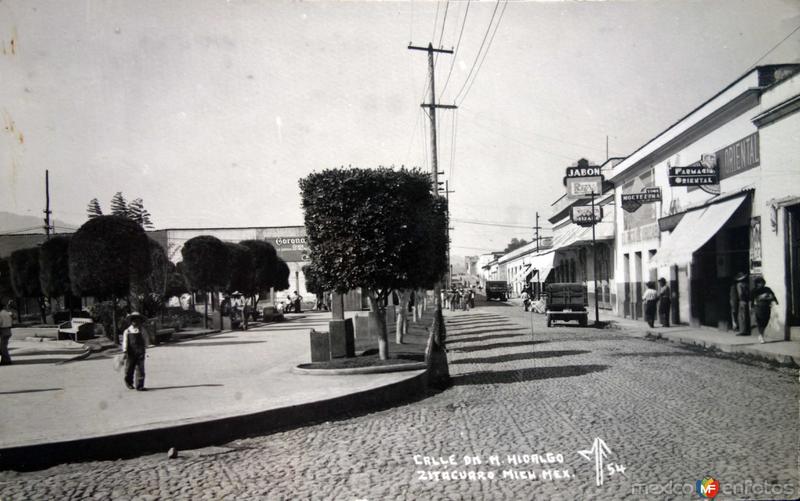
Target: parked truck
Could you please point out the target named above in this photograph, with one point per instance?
(496, 289)
(567, 301)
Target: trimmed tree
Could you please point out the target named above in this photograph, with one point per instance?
(206, 265)
(363, 229)
(314, 282)
(282, 274)
(106, 255)
(54, 269)
(24, 267)
(242, 273)
(151, 291)
(265, 261)
(176, 281)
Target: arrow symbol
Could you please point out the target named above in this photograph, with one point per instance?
(599, 451)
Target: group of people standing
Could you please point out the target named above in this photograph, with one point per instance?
(460, 298)
(657, 300)
(743, 301)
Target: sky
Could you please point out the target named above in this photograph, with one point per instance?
(211, 111)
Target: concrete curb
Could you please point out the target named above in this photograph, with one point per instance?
(211, 432)
(381, 369)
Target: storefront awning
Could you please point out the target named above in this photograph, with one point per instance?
(519, 277)
(695, 229)
(543, 264)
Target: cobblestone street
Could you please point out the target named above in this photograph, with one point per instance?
(522, 393)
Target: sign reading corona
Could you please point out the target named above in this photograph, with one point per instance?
(290, 249)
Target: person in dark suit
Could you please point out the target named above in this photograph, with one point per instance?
(664, 302)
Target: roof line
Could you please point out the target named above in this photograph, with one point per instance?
(729, 86)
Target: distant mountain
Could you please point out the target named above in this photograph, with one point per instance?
(17, 223)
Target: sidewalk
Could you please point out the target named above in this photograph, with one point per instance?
(201, 391)
(783, 352)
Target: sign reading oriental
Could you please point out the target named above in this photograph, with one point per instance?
(290, 249)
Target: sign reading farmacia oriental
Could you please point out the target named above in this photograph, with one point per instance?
(702, 173)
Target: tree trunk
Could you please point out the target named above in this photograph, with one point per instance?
(114, 319)
(402, 316)
(205, 312)
(378, 309)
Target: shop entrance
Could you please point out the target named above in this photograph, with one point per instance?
(793, 244)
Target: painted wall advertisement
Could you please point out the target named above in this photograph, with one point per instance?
(290, 249)
(755, 245)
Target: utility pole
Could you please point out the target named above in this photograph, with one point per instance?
(437, 290)
(432, 109)
(47, 210)
(594, 270)
(447, 193)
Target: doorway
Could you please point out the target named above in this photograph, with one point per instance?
(793, 263)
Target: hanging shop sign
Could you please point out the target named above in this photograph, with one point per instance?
(702, 173)
(632, 201)
(582, 215)
(755, 245)
(583, 180)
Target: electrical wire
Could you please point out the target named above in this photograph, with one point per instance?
(489, 46)
(773, 48)
(455, 51)
(478, 54)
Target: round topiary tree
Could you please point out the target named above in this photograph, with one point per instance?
(206, 265)
(54, 270)
(265, 260)
(282, 274)
(314, 282)
(242, 273)
(150, 292)
(106, 255)
(24, 267)
(367, 228)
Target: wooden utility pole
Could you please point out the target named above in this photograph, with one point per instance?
(432, 109)
(47, 210)
(437, 290)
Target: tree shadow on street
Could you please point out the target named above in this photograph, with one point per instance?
(37, 390)
(156, 388)
(483, 347)
(519, 356)
(523, 375)
(455, 339)
(37, 361)
(658, 354)
(212, 343)
(473, 332)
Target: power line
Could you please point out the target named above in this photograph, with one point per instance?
(488, 223)
(435, 22)
(475, 114)
(489, 46)
(474, 63)
(444, 23)
(455, 52)
(773, 48)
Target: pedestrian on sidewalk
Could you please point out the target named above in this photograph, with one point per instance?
(743, 308)
(664, 302)
(6, 321)
(763, 297)
(650, 299)
(526, 300)
(134, 345)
